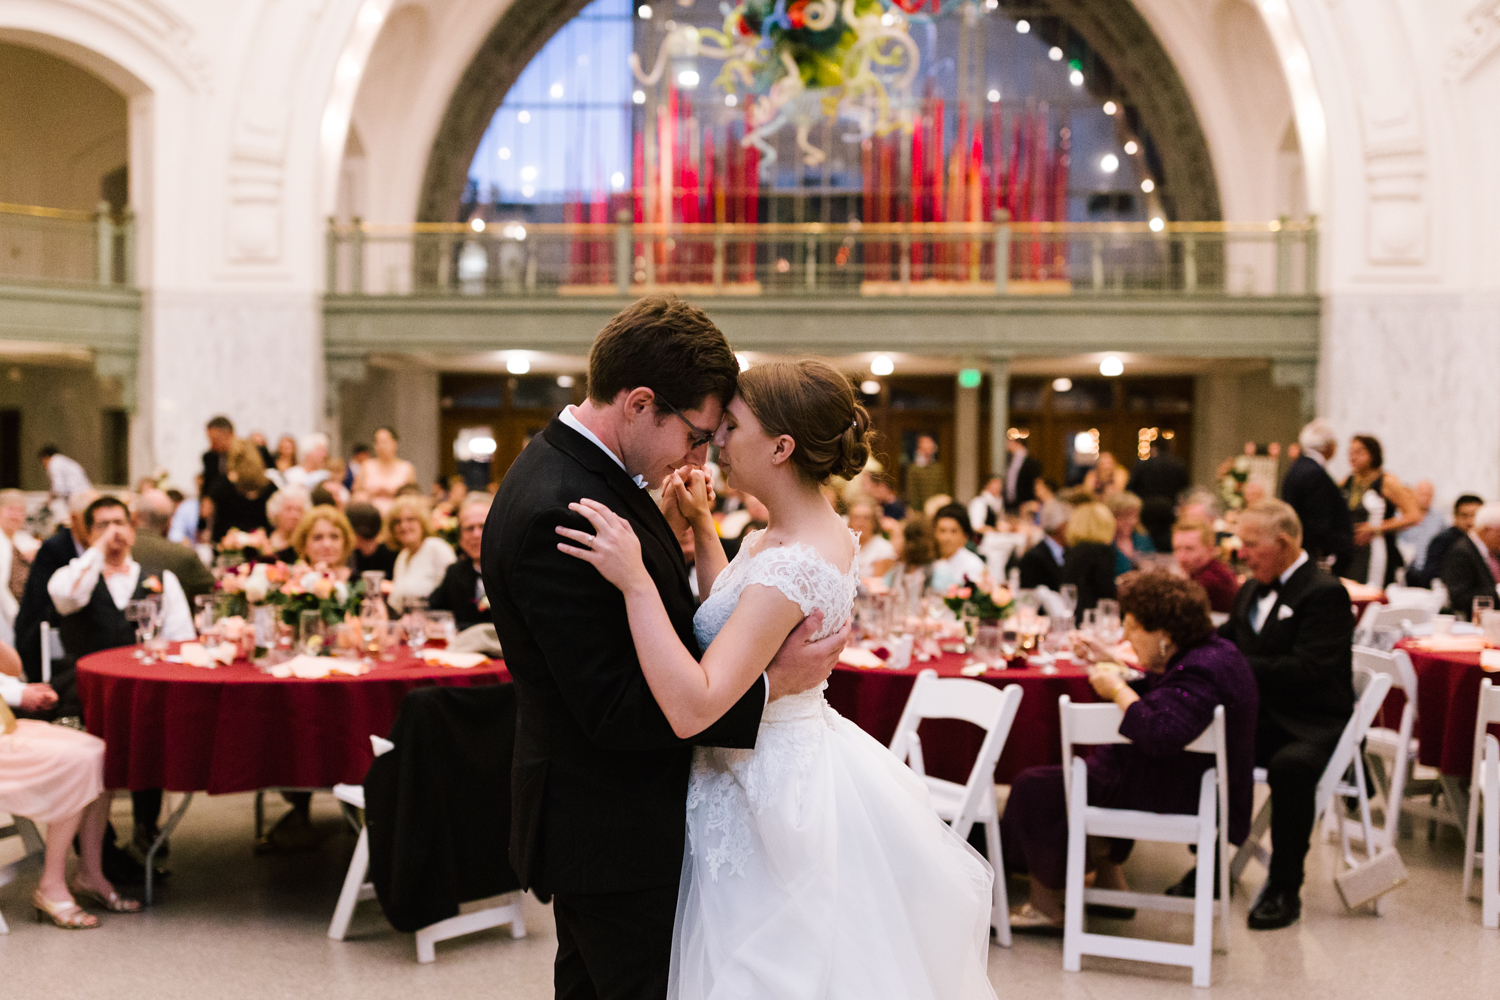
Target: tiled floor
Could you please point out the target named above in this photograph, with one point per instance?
(229, 924)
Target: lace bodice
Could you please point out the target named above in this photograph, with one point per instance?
(798, 571)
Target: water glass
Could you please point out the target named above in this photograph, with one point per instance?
(1481, 605)
(312, 633)
(441, 627)
(1090, 624)
(989, 646)
(1490, 623)
(416, 630)
(1069, 594)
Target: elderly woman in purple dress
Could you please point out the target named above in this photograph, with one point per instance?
(1189, 671)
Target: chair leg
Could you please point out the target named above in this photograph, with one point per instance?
(1203, 897)
(1258, 828)
(1491, 874)
(1471, 831)
(1000, 912)
(1077, 849)
(359, 867)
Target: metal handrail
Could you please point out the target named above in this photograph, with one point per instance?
(855, 228)
(68, 245)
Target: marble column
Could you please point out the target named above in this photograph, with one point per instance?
(999, 410)
(966, 443)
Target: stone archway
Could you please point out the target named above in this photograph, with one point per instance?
(1113, 28)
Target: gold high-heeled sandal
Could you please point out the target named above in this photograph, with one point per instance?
(69, 916)
(114, 902)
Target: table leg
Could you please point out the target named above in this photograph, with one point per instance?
(1457, 792)
(166, 831)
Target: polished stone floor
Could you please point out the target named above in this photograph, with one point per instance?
(229, 924)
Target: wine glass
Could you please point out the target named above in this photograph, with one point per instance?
(441, 627)
(1068, 592)
(416, 630)
(989, 646)
(138, 613)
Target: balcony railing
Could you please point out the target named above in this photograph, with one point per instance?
(64, 246)
(517, 258)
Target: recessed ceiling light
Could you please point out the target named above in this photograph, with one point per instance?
(1111, 366)
(1062, 385)
(882, 366)
(518, 364)
(870, 387)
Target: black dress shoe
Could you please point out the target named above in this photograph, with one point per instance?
(1275, 908)
(1187, 886)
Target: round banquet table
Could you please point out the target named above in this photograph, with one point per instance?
(873, 699)
(1447, 705)
(235, 729)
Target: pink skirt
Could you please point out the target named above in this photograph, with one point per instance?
(47, 772)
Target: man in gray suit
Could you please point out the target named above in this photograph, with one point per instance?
(153, 516)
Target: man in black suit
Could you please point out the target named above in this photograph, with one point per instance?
(1161, 476)
(1023, 477)
(36, 604)
(1041, 566)
(1295, 625)
(1326, 527)
(461, 590)
(1464, 509)
(1472, 564)
(220, 432)
(599, 784)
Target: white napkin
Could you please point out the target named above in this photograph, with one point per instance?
(973, 669)
(1489, 659)
(450, 658)
(195, 654)
(312, 668)
(852, 656)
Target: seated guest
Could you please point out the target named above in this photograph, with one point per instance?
(284, 510)
(370, 551)
(55, 776)
(986, 510)
(1089, 563)
(883, 491)
(153, 517)
(1413, 541)
(1295, 625)
(284, 458)
(1042, 564)
(1130, 541)
(876, 555)
(90, 594)
(1430, 563)
(1471, 566)
(1106, 478)
(323, 540)
(421, 557)
(239, 496)
(312, 470)
(1190, 671)
(66, 543)
(954, 562)
(462, 588)
(916, 550)
(1193, 548)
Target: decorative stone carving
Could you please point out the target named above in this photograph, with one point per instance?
(1479, 39)
(161, 27)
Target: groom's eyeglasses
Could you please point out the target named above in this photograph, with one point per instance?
(700, 437)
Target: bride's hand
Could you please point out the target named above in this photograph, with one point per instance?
(693, 493)
(612, 549)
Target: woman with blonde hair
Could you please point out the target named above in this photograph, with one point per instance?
(421, 557)
(324, 539)
(1089, 563)
(239, 496)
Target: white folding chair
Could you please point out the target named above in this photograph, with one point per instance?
(472, 918)
(52, 649)
(1384, 617)
(1392, 753)
(31, 843)
(961, 806)
(1431, 599)
(1484, 782)
(1371, 689)
(1092, 725)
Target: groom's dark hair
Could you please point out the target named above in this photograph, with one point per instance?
(668, 346)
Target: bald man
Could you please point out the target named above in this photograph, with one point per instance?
(153, 518)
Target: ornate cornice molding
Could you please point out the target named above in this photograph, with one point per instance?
(1478, 40)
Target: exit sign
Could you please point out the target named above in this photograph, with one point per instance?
(969, 378)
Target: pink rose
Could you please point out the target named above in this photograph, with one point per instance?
(323, 588)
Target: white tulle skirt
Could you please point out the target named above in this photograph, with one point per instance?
(816, 868)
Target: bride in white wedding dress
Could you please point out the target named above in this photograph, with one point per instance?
(816, 867)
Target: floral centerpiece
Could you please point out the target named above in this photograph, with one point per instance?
(1232, 478)
(320, 590)
(991, 603)
(239, 547)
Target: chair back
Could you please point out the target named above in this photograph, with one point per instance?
(1417, 597)
(986, 706)
(1385, 617)
(1488, 715)
(1093, 725)
(1396, 665)
(1370, 688)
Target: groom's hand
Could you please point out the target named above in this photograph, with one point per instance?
(801, 664)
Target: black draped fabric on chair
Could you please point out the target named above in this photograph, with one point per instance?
(438, 806)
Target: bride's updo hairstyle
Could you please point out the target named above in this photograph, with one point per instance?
(813, 403)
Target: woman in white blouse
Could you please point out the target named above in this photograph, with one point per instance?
(950, 529)
(55, 776)
(422, 558)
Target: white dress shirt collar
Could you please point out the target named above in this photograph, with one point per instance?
(569, 416)
(1294, 567)
(1271, 598)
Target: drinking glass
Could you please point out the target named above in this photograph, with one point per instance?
(203, 613)
(441, 627)
(312, 633)
(989, 646)
(1490, 622)
(416, 630)
(1069, 594)
(1108, 608)
(138, 613)
(1481, 605)
(1090, 624)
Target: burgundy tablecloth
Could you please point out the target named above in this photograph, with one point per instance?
(235, 729)
(1447, 705)
(873, 700)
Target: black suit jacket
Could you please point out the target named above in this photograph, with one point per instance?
(36, 604)
(1302, 658)
(1432, 559)
(1326, 527)
(457, 592)
(599, 786)
(1090, 566)
(1467, 575)
(1026, 477)
(1039, 569)
(1162, 476)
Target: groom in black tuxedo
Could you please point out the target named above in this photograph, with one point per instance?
(599, 784)
(1295, 625)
